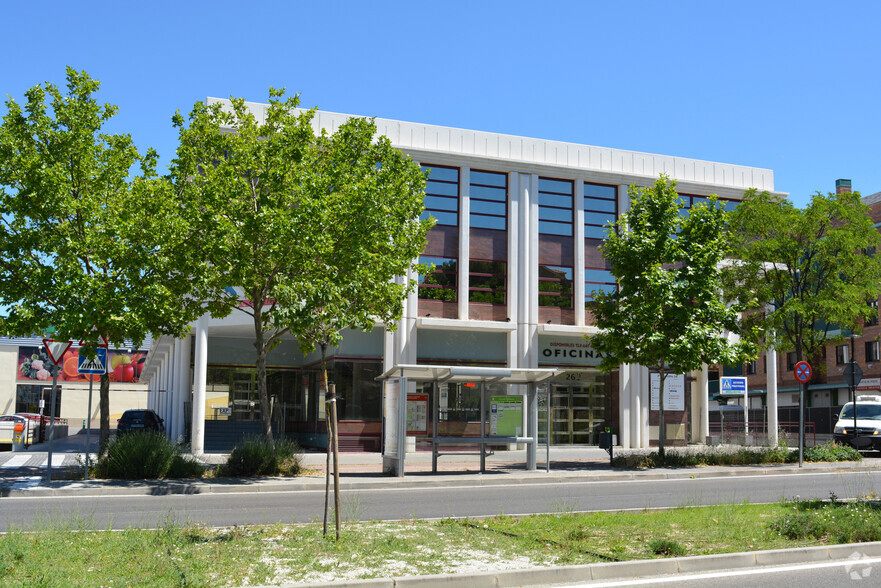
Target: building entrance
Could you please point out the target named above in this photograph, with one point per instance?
(580, 408)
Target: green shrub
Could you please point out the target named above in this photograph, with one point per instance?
(255, 456)
(831, 451)
(707, 457)
(839, 522)
(146, 455)
(666, 547)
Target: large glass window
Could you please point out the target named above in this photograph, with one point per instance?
(688, 201)
(360, 394)
(441, 283)
(597, 280)
(600, 209)
(489, 200)
(555, 199)
(487, 281)
(555, 286)
(442, 194)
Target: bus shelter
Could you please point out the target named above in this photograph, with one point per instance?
(397, 405)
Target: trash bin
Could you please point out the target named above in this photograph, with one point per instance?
(19, 437)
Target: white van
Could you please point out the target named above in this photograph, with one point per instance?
(868, 424)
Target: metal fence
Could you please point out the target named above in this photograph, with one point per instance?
(728, 426)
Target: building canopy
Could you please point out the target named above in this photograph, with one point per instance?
(461, 374)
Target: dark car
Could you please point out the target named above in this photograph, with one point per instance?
(139, 420)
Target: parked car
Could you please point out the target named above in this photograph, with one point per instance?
(139, 420)
(16, 418)
(868, 424)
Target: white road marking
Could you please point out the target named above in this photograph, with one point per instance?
(16, 461)
(57, 460)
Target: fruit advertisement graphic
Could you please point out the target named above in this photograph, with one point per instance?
(34, 365)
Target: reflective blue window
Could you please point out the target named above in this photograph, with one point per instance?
(555, 200)
(489, 200)
(441, 203)
(555, 214)
(592, 232)
(442, 194)
(444, 174)
(479, 207)
(495, 179)
(598, 218)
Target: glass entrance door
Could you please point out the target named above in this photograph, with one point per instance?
(580, 408)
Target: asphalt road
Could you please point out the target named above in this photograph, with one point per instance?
(455, 499)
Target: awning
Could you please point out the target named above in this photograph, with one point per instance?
(461, 374)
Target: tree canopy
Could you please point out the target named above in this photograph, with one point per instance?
(668, 312)
(805, 276)
(89, 239)
(312, 228)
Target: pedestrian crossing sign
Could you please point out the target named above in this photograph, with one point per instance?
(96, 365)
(734, 386)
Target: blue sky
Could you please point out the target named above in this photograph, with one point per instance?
(791, 86)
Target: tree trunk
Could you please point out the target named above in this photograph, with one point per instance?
(104, 404)
(329, 435)
(262, 393)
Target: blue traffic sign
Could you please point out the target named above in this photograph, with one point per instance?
(734, 386)
(98, 365)
(803, 371)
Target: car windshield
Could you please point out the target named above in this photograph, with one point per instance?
(134, 415)
(864, 412)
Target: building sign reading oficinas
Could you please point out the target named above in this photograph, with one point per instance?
(566, 351)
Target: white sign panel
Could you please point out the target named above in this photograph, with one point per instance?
(674, 391)
(869, 384)
(566, 351)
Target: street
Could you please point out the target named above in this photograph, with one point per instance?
(420, 497)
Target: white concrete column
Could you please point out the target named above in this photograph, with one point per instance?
(464, 240)
(700, 405)
(184, 384)
(525, 282)
(771, 389)
(171, 392)
(645, 394)
(624, 405)
(705, 409)
(515, 206)
(200, 375)
(578, 259)
(636, 433)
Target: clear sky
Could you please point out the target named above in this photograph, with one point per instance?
(789, 85)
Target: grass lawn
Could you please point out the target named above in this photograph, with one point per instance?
(76, 554)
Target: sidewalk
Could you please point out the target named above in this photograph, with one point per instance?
(364, 471)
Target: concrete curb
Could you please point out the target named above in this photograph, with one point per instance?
(420, 480)
(617, 570)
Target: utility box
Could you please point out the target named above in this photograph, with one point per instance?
(19, 437)
(608, 440)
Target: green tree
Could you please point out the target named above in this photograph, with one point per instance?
(668, 312)
(312, 227)
(89, 238)
(803, 275)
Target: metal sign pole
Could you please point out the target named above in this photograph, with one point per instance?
(88, 426)
(52, 420)
(548, 426)
(801, 423)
